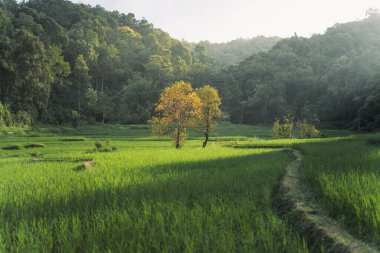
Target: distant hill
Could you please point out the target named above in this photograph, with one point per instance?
(235, 51)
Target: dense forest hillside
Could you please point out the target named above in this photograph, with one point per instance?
(329, 75)
(61, 62)
(235, 51)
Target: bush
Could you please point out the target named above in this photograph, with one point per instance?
(12, 147)
(23, 119)
(75, 118)
(284, 129)
(34, 145)
(307, 130)
(104, 147)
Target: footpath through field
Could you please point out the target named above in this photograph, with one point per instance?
(296, 205)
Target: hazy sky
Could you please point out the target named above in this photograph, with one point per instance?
(225, 20)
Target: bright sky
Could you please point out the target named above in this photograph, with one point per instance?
(225, 20)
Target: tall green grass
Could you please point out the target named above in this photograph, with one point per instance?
(146, 197)
(345, 176)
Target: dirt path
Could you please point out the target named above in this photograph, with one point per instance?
(297, 206)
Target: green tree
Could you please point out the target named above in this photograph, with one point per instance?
(210, 110)
(81, 80)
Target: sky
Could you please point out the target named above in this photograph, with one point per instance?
(225, 20)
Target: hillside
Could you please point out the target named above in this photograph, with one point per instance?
(62, 62)
(235, 51)
(329, 75)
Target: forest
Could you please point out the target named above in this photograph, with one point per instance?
(62, 62)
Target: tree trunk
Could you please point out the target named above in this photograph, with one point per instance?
(103, 116)
(79, 101)
(206, 140)
(178, 139)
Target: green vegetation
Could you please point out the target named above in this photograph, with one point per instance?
(345, 178)
(74, 139)
(106, 146)
(233, 52)
(90, 65)
(34, 145)
(284, 129)
(307, 130)
(145, 197)
(71, 70)
(12, 147)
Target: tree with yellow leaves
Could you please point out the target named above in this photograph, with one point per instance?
(179, 108)
(210, 111)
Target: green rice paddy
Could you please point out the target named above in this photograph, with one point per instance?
(149, 197)
(145, 197)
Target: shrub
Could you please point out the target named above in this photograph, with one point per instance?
(75, 118)
(104, 147)
(34, 145)
(20, 119)
(284, 129)
(12, 147)
(307, 130)
(23, 119)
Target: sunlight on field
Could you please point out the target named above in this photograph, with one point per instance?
(147, 196)
(345, 178)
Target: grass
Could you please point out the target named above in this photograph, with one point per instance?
(345, 178)
(145, 197)
(12, 147)
(34, 145)
(74, 139)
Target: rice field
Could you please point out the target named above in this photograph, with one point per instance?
(345, 177)
(145, 197)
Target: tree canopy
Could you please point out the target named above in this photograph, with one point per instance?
(59, 59)
(179, 108)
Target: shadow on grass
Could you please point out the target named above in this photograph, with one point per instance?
(227, 179)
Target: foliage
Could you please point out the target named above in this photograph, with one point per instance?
(34, 145)
(329, 74)
(75, 118)
(57, 57)
(210, 110)
(7, 119)
(369, 114)
(12, 147)
(307, 130)
(235, 51)
(178, 109)
(23, 119)
(283, 129)
(106, 146)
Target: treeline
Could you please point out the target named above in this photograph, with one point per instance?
(62, 62)
(331, 75)
(235, 51)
